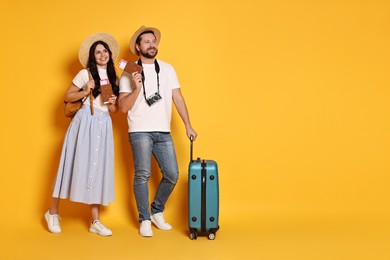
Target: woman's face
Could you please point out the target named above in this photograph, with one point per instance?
(102, 56)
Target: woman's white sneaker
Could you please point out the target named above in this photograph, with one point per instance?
(53, 222)
(98, 228)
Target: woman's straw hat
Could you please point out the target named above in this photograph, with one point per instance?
(100, 36)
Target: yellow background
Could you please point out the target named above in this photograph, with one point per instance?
(291, 98)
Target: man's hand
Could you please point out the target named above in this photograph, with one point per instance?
(136, 80)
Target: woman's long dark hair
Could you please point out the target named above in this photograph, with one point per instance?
(111, 73)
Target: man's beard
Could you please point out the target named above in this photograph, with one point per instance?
(147, 55)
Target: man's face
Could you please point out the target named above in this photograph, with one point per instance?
(147, 46)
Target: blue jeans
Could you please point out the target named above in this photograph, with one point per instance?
(143, 145)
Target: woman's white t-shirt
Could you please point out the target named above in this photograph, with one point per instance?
(81, 79)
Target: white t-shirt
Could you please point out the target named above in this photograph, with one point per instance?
(81, 79)
(157, 117)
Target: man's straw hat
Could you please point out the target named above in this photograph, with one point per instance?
(141, 30)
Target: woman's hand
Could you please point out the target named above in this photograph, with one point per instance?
(112, 103)
(112, 100)
(89, 86)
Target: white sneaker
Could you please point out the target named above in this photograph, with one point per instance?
(145, 228)
(98, 228)
(159, 221)
(53, 222)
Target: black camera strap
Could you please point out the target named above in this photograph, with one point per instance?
(157, 69)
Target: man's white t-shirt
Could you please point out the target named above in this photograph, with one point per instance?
(157, 117)
(81, 79)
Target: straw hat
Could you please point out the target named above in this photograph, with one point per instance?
(100, 36)
(139, 32)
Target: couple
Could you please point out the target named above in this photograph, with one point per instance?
(86, 169)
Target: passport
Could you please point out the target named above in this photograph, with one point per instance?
(106, 92)
(130, 67)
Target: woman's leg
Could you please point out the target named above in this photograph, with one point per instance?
(95, 212)
(96, 226)
(52, 217)
(55, 204)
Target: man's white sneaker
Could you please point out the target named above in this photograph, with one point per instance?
(145, 228)
(98, 228)
(159, 221)
(53, 222)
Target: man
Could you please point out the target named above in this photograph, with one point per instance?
(147, 97)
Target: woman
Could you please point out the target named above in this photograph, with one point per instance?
(86, 170)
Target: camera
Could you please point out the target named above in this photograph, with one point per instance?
(153, 99)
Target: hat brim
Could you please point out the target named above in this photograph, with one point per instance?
(100, 36)
(141, 30)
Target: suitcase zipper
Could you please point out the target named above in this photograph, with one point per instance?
(203, 210)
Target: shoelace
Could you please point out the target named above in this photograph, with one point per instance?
(56, 220)
(100, 225)
(161, 217)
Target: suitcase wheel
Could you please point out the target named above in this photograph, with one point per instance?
(212, 236)
(193, 236)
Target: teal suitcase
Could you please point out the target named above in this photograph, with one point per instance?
(203, 197)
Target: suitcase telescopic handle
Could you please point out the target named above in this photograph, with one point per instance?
(191, 148)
